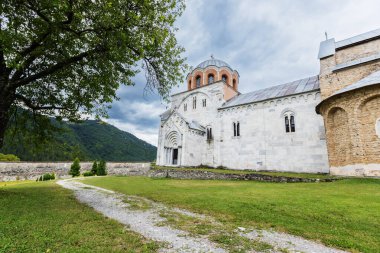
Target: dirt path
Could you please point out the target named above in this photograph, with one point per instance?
(150, 219)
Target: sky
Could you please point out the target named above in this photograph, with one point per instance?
(269, 42)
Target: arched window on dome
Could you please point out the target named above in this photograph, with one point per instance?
(198, 81)
(225, 78)
(189, 85)
(210, 78)
(234, 83)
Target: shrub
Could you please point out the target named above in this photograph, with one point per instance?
(46, 177)
(94, 169)
(75, 168)
(88, 174)
(102, 168)
(9, 158)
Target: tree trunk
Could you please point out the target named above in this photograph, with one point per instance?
(6, 100)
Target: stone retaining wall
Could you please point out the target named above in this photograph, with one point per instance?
(10, 171)
(208, 175)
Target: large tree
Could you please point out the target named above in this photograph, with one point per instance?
(66, 58)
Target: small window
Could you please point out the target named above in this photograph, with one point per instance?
(290, 126)
(209, 134)
(236, 126)
(204, 102)
(194, 102)
(210, 78)
(287, 124)
(378, 127)
(234, 83)
(185, 107)
(224, 78)
(198, 81)
(189, 86)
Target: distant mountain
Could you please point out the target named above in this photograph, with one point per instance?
(89, 140)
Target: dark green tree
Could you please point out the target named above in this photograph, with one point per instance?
(102, 168)
(94, 168)
(75, 168)
(67, 58)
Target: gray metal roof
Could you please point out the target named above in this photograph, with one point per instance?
(213, 62)
(357, 39)
(372, 79)
(287, 89)
(328, 47)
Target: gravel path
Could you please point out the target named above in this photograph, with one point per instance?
(145, 222)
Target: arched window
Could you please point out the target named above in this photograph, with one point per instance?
(290, 126)
(236, 126)
(378, 127)
(234, 83)
(185, 107)
(189, 87)
(198, 81)
(209, 134)
(224, 78)
(194, 102)
(210, 78)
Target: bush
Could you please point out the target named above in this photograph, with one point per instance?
(9, 158)
(75, 168)
(94, 169)
(88, 174)
(46, 177)
(102, 168)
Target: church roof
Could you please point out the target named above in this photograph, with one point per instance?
(287, 89)
(213, 62)
(372, 79)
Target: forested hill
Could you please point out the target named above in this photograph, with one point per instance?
(89, 140)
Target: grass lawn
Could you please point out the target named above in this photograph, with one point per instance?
(344, 214)
(44, 217)
(229, 171)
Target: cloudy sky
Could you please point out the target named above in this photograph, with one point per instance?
(268, 42)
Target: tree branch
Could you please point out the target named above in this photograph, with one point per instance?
(34, 107)
(58, 66)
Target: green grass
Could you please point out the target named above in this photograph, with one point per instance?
(44, 217)
(229, 171)
(343, 214)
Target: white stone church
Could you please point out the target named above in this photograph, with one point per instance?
(328, 123)
(213, 124)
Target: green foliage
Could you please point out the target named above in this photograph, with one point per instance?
(88, 140)
(68, 58)
(75, 168)
(38, 217)
(94, 168)
(102, 168)
(46, 177)
(9, 158)
(88, 174)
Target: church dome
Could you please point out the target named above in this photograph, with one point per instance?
(213, 62)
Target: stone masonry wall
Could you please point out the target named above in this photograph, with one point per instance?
(10, 171)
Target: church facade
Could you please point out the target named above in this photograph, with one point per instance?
(328, 123)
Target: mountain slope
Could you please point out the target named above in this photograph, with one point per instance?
(89, 140)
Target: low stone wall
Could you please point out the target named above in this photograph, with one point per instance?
(10, 171)
(209, 175)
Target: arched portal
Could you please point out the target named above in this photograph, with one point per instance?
(172, 149)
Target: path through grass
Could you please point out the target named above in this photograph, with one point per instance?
(343, 214)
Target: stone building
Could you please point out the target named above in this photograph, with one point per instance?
(325, 123)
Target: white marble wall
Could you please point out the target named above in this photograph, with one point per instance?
(263, 144)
